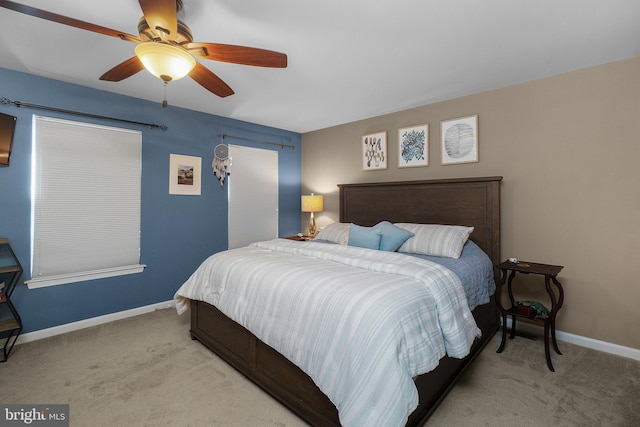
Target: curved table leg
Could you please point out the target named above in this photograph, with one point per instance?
(513, 328)
(547, 326)
(504, 333)
(557, 307)
(553, 336)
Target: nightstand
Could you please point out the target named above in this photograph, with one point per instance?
(299, 238)
(531, 310)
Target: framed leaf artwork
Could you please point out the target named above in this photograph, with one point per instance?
(413, 146)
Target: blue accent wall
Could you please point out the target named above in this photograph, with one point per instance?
(177, 232)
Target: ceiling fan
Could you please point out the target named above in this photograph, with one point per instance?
(166, 47)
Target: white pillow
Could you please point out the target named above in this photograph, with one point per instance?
(435, 239)
(337, 232)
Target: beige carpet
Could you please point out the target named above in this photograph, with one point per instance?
(146, 371)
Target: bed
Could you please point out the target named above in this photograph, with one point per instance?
(472, 202)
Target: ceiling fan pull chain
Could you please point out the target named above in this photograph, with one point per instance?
(164, 100)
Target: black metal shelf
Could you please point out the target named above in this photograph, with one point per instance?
(10, 322)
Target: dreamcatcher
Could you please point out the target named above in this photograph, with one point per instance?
(221, 162)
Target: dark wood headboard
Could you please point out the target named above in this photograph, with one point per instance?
(463, 201)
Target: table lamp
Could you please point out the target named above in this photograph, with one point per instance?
(312, 204)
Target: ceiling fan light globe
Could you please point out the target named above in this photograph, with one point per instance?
(164, 60)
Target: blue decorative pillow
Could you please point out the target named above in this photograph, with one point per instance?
(392, 237)
(364, 237)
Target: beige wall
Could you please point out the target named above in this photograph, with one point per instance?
(568, 148)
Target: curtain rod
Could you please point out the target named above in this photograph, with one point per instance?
(281, 145)
(19, 104)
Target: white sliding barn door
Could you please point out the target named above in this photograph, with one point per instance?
(253, 195)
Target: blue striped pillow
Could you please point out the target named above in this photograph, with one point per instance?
(337, 232)
(435, 239)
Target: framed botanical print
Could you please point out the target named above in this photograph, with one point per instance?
(374, 151)
(459, 140)
(413, 146)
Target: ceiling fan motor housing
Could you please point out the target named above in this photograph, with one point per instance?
(147, 34)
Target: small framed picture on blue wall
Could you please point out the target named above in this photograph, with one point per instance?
(184, 174)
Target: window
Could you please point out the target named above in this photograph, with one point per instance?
(253, 196)
(86, 184)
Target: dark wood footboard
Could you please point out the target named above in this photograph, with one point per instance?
(434, 386)
(263, 365)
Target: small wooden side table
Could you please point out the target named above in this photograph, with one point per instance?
(298, 238)
(518, 310)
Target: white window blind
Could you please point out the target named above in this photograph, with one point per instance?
(253, 196)
(86, 185)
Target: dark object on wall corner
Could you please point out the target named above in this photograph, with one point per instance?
(7, 129)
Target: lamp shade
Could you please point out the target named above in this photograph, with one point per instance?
(164, 60)
(312, 203)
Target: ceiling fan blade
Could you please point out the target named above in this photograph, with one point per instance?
(61, 19)
(238, 54)
(208, 80)
(123, 70)
(161, 16)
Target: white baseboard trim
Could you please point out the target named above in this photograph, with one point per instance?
(94, 321)
(607, 347)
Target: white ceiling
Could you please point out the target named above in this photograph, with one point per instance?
(348, 59)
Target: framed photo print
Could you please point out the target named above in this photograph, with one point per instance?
(459, 140)
(374, 151)
(184, 174)
(413, 146)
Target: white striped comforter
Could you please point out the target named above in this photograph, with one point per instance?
(360, 323)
